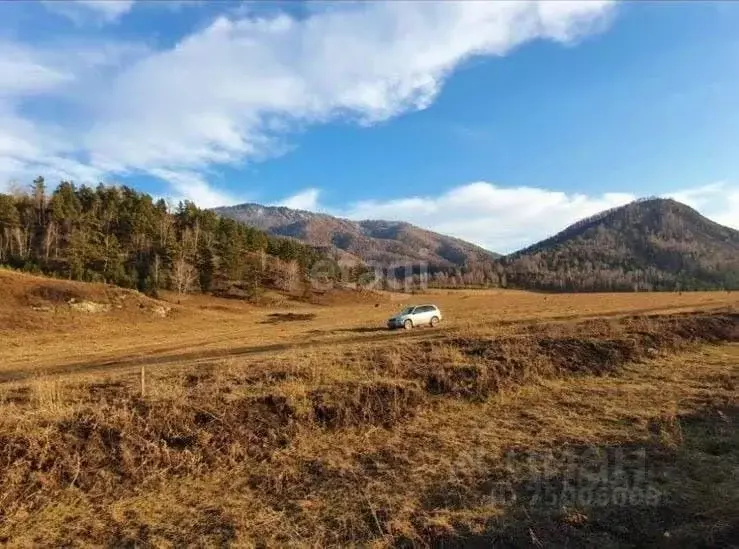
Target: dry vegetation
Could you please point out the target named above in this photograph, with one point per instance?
(528, 420)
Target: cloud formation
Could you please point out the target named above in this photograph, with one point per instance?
(230, 92)
(30, 146)
(191, 186)
(83, 12)
(304, 200)
(718, 201)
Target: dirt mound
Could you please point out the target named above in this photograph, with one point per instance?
(24, 298)
(121, 442)
(53, 294)
(620, 498)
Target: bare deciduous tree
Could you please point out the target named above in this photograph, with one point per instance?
(183, 275)
(292, 275)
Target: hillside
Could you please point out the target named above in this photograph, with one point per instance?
(385, 242)
(37, 304)
(124, 237)
(653, 244)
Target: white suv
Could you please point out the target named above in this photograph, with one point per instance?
(415, 315)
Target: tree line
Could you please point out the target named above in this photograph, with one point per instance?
(120, 236)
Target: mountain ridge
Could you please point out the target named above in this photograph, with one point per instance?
(653, 243)
(368, 240)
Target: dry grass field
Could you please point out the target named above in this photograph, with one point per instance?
(525, 420)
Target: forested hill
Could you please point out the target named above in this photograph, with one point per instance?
(369, 241)
(124, 237)
(653, 244)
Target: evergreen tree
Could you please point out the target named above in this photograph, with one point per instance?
(121, 236)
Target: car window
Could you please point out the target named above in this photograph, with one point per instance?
(406, 311)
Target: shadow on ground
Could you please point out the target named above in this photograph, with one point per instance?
(362, 330)
(679, 489)
(276, 318)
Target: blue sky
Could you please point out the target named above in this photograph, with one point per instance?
(495, 122)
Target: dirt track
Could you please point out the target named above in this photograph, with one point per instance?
(159, 358)
(187, 354)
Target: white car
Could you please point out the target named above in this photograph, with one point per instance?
(415, 315)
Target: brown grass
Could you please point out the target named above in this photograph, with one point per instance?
(501, 429)
(43, 308)
(205, 328)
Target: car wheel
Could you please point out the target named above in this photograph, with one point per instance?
(434, 321)
(408, 324)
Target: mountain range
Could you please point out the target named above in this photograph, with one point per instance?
(649, 244)
(385, 242)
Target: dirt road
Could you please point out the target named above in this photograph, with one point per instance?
(207, 330)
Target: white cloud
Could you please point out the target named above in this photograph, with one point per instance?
(229, 93)
(21, 72)
(304, 200)
(82, 12)
(109, 9)
(191, 186)
(31, 147)
(28, 150)
(221, 95)
(498, 218)
(505, 219)
(718, 201)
